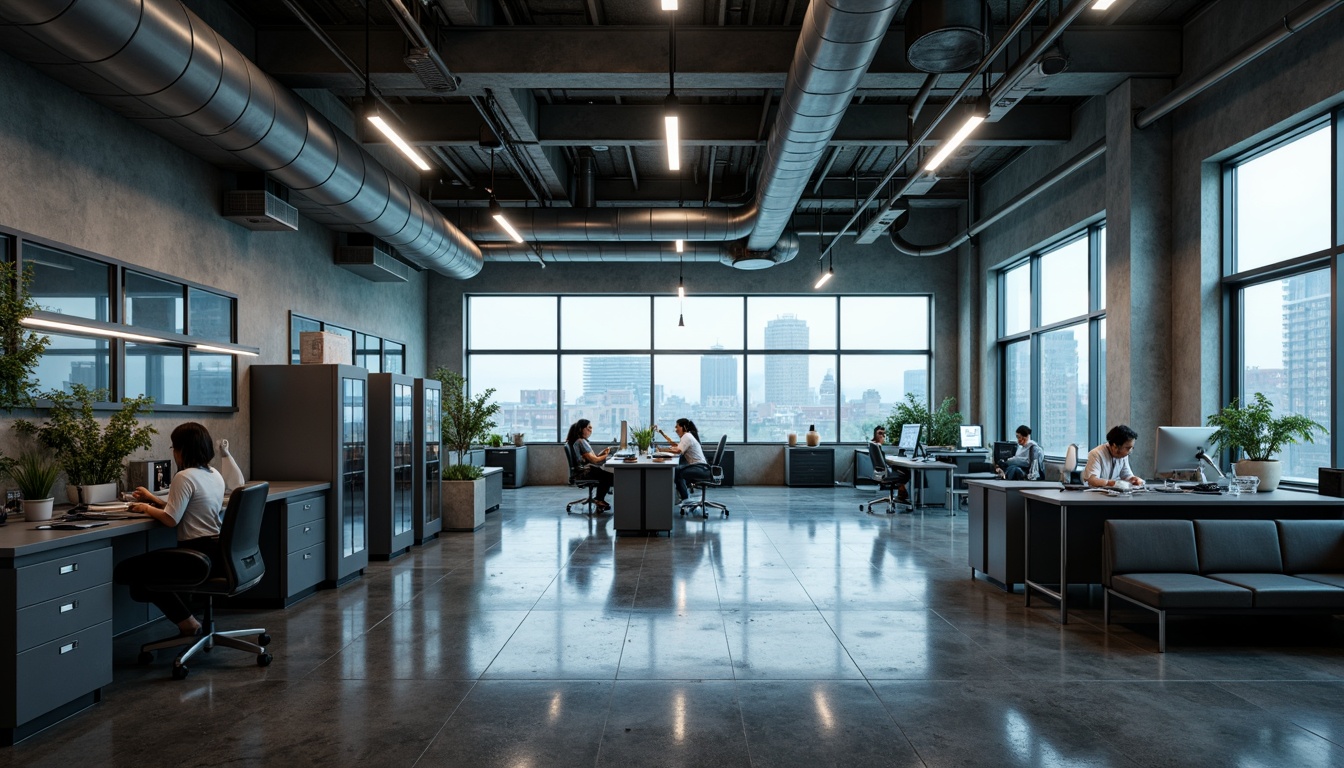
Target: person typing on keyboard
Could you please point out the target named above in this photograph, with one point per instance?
(1108, 463)
(694, 468)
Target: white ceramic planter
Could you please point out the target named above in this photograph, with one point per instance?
(463, 504)
(99, 494)
(39, 509)
(1269, 472)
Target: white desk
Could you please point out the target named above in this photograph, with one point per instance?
(644, 494)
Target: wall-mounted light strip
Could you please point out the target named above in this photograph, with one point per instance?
(110, 330)
(37, 322)
(226, 350)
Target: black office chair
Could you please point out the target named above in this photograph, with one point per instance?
(714, 480)
(887, 480)
(241, 570)
(577, 480)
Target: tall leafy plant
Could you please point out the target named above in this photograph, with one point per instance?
(1253, 429)
(20, 348)
(466, 419)
(940, 425)
(89, 452)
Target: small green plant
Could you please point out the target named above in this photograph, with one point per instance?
(20, 348)
(940, 426)
(466, 419)
(643, 437)
(463, 472)
(496, 440)
(35, 474)
(89, 453)
(1253, 430)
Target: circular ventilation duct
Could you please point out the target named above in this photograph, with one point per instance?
(738, 256)
(944, 35)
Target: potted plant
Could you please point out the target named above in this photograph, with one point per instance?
(93, 457)
(466, 420)
(34, 473)
(1253, 430)
(642, 437)
(940, 426)
(20, 348)
(495, 440)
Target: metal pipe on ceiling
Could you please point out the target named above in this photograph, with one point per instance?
(729, 253)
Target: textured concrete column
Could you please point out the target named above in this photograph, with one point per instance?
(1138, 268)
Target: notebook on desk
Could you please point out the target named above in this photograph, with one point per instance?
(76, 526)
(664, 455)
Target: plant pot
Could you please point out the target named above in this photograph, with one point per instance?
(100, 493)
(1269, 472)
(39, 509)
(463, 504)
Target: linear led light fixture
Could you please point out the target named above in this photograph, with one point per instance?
(670, 123)
(225, 350)
(681, 246)
(1102, 5)
(669, 5)
(825, 277)
(497, 212)
(55, 325)
(973, 121)
(406, 149)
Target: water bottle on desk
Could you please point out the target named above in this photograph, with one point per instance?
(1234, 487)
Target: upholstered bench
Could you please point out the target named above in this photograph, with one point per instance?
(1224, 566)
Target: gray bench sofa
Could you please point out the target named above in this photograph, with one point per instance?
(1224, 566)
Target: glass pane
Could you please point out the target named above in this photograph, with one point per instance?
(712, 322)
(707, 389)
(297, 325)
(1285, 342)
(155, 304)
(870, 322)
(155, 371)
(1064, 286)
(789, 393)
(394, 357)
(1101, 269)
(369, 352)
(1064, 390)
(68, 284)
(347, 333)
(791, 322)
(1016, 300)
(209, 379)
(870, 387)
(1100, 420)
(604, 322)
(511, 322)
(605, 389)
(525, 390)
(74, 360)
(1282, 202)
(210, 316)
(1016, 386)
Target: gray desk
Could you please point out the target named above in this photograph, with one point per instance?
(1063, 528)
(644, 493)
(995, 538)
(924, 494)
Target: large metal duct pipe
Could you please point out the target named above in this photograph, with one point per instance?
(732, 254)
(595, 225)
(176, 66)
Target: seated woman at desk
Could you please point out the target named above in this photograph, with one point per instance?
(1108, 463)
(579, 432)
(902, 476)
(194, 507)
(1029, 461)
(693, 468)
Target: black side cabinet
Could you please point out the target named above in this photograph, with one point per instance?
(809, 466)
(513, 460)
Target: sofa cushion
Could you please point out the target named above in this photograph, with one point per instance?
(1315, 546)
(1238, 546)
(1148, 546)
(1333, 579)
(1180, 590)
(1275, 590)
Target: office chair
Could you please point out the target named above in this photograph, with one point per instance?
(886, 478)
(577, 480)
(714, 480)
(1070, 472)
(241, 570)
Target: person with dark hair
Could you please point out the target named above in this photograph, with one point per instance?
(902, 476)
(693, 466)
(194, 507)
(1029, 461)
(592, 468)
(1108, 463)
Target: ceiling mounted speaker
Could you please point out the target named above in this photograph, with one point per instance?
(944, 35)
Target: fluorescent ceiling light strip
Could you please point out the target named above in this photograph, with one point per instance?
(225, 350)
(59, 326)
(503, 222)
(825, 276)
(392, 136)
(951, 145)
(673, 143)
(669, 5)
(681, 246)
(1102, 5)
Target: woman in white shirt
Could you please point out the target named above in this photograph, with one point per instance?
(693, 468)
(194, 507)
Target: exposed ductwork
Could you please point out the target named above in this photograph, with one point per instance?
(595, 225)
(944, 35)
(172, 63)
(734, 254)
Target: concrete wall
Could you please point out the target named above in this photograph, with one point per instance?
(74, 172)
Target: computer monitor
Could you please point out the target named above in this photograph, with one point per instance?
(972, 436)
(625, 435)
(1003, 451)
(1177, 446)
(909, 444)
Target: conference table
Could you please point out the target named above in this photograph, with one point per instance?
(644, 494)
(1063, 528)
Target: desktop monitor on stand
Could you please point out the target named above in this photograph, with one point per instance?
(909, 444)
(1177, 450)
(972, 437)
(1003, 451)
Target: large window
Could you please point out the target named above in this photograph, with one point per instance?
(1282, 243)
(373, 353)
(755, 368)
(1052, 343)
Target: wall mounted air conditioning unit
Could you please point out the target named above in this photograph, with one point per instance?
(261, 211)
(372, 264)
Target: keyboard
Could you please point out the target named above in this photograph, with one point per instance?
(664, 455)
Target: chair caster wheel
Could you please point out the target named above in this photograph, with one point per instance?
(180, 671)
(264, 659)
(146, 658)
(704, 515)
(725, 513)
(263, 639)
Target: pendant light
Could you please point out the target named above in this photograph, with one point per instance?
(671, 107)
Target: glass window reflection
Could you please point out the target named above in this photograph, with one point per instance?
(210, 315)
(75, 360)
(69, 284)
(209, 378)
(155, 371)
(154, 304)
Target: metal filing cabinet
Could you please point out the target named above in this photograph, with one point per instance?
(809, 466)
(427, 458)
(391, 471)
(513, 461)
(293, 548)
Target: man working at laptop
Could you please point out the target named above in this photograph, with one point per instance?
(902, 476)
(1108, 463)
(1028, 462)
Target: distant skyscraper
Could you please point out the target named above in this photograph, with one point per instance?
(1060, 396)
(827, 391)
(718, 377)
(607, 374)
(786, 376)
(917, 383)
(1305, 388)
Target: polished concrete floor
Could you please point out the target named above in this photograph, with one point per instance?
(798, 631)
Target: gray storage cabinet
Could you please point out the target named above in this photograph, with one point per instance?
(391, 464)
(809, 466)
(293, 547)
(310, 422)
(513, 460)
(428, 517)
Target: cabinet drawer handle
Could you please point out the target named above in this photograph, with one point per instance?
(307, 506)
(71, 568)
(307, 555)
(306, 529)
(68, 647)
(70, 606)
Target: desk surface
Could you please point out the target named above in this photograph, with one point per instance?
(643, 462)
(18, 539)
(903, 463)
(1013, 485)
(1151, 498)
